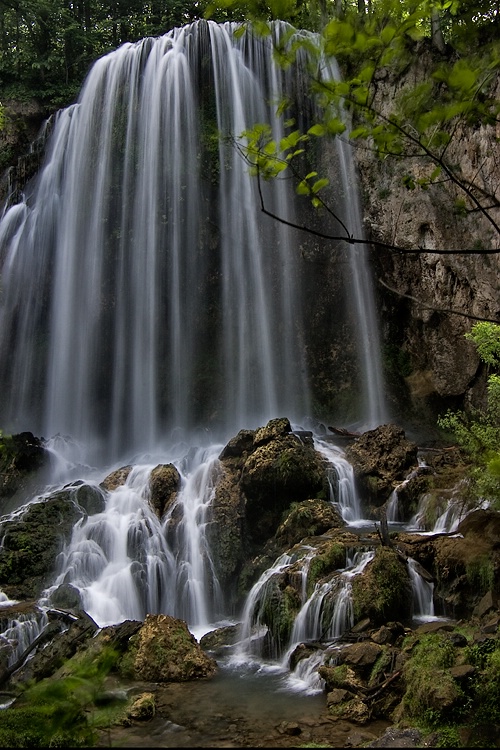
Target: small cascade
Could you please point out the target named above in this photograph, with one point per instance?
(20, 632)
(423, 593)
(325, 615)
(392, 511)
(252, 629)
(342, 487)
(126, 563)
(441, 513)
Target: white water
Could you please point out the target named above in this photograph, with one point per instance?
(423, 593)
(145, 296)
(138, 321)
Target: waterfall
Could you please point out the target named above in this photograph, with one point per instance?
(149, 310)
(423, 593)
(145, 296)
(126, 563)
(342, 486)
(325, 614)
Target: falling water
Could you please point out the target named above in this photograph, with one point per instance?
(341, 478)
(423, 593)
(131, 310)
(126, 563)
(325, 614)
(148, 306)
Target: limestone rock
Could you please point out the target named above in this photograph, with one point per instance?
(163, 650)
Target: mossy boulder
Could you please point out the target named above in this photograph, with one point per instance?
(32, 539)
(163, 650)
(381, 459)
(311, 517)
(276, 474)
(382, 591)
(116, 479)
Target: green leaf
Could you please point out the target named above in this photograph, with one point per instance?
(317, 129)
(321, 183)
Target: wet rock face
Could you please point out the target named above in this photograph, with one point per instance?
(381, 459)
(22, 457)
(31, 543)
(429, 361)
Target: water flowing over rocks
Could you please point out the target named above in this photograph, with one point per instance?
(382, 458)
(364, 673)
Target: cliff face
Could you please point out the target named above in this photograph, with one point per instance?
(431, 366)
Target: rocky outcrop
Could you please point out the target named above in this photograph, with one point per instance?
(382, 458)
(31, 541)
(430, 365)
(22, 460)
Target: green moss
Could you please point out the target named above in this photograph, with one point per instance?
(431, 691)
(382, 592)
(278, 611)
(480, 574)
(331, 559)
(63, 710)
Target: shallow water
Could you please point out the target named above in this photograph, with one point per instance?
(232, 710)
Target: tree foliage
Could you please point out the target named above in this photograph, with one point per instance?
(374, 43)
(47, 46)
(477, 431)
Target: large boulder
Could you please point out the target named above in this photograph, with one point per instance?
(163, 650)
(164, 483)
(382, 591)
(32, 539)
(283, 468)
(381, 458)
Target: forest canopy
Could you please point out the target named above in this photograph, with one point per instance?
(47, 46)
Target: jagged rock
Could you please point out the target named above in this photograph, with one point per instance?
(116, 479)
(238, 446)
(164, 484)
(275, 428)
(361, 656)
(381, 459)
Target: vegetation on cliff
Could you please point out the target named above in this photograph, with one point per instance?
(477, 431)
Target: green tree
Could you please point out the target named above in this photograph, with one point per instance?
(47, 46)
